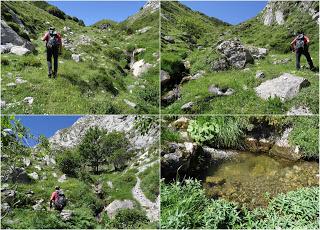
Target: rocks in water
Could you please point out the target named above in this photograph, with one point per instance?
(164, 78)
(282, 147)
(170, 96)
(19, 50)
(282, 61)
(116, 205)
(39, 205)
(169, 39)
(143, 30)
(299, 110)
(34, 175)
(237, 55)
(140, 67)
(258, 145)
(63, 178)
(188, 106)
(66, 215)
(131, 104)
(215, 180)
(216, 91)
(76, 57)
(28, 100)
(260, 74)
(258, 53)
(285, 87)
(218, 154)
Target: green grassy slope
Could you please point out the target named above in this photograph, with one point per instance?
(202, 53)
(98, 84)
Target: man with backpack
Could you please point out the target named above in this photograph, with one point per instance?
(300, 45)
(54, 47)
(58, 199)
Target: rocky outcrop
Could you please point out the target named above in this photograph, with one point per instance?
(286, 87)
(116, 205)
(284, 149)
(72, 136)
(277, 12)
(8, 35)
(236, 54)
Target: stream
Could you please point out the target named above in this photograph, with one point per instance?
(250, 179)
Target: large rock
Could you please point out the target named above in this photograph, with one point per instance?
(19, 50)
(285, 87)
(237, 55)
(165, 78)
(282, 147)
(257, 53)
(140, 67)
(220, 65)
(8, 35)
(218, 154)
(170, 96)
(116, 205)
(6, 48)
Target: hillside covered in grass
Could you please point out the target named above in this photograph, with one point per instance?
(109, 174)
(106, 68)
(211, 67)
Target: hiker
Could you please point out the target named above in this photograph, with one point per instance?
(58, 199)
(300, 45)
(54, 47)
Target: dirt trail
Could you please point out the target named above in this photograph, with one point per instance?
(151, 208)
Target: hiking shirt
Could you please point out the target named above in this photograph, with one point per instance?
(54, 196)
(305, 38)
(46, 37)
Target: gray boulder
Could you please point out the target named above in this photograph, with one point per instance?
(19, 50)
(170, 96)
(116, 205)
(188, 106)
(39, 205)
(260, 74)
(140, 67)
(257, 53)
(164, 77)
(285, 87)
(76, 57)
(169, 39)
(237, 55)
(34, 175)
(129, 103)
(216, 91)
(299, 110)
(8, 35)
(66, 215)
(6, 48)
(220, 65)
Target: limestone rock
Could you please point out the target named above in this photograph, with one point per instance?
(66, 215)
(169, 39)
(170, 96)
(260, 74)
(218, 154)
(34, 175)
(19, 50)
(38, 206)
(299, 110)
(131, 104)
(140, 67)
(257, 53)
(76, 57)
(220, 65)
(188, 106)
(164, 78)
(282, 147)
(286, 87)
(11, 84)
(109, 183)
(19, 175)
(63, 178)
(143, 30)
(116, 205)
(28, 100)
(220, 91)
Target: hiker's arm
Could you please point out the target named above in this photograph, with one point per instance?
(307, 40)
(44, 37)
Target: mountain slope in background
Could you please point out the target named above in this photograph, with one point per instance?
(211, 67)
(105, 68)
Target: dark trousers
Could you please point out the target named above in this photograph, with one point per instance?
(305, 52)
(52, 52)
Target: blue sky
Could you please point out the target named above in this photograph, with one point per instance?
(233, 12)
(93, 11)
(46, 125)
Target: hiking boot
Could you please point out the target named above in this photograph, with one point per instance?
(49, 75)
(55, 75)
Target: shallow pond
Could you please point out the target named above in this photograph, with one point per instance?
(250, 178)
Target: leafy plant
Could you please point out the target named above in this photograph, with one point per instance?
(129, 218)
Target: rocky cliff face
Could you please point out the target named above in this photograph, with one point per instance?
(72, 136)
(277, 12)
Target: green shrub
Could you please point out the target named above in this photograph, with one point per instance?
(169, 135)
(129, 218)
(150, 94)
(69, 162)
(4, 61)
(103, 82)
(150, 182)
(56, 12)
(220, 132)
(113, 53)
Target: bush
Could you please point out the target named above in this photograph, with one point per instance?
(104, 82)
(129, 218)
(150, 94)
(220, 132)
(56, 12)
(113, 53)
(69, 162)
(4, 61)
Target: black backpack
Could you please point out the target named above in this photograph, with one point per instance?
(53, 40)
(62, 200)
(300, 41)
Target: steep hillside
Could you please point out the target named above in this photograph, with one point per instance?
(105, 68)
(122, 192)
(241, 69)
